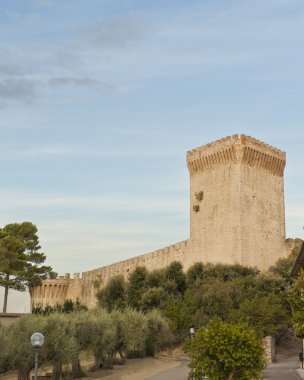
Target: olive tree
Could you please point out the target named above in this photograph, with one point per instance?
(101, 328)
(158, 335)
(60, 344)
(4, 344)
(131, 330)
(19, 352)
(82, 325)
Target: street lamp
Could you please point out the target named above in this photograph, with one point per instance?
(37, 340)
(192, 332)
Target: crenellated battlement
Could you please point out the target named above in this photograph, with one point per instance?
(53, 291)
(237, 149)
(251, 141)
(154, 260)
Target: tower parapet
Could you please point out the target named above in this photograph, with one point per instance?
(55, 291)
(237, 149)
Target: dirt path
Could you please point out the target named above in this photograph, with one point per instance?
(134, 369)
(137, 369)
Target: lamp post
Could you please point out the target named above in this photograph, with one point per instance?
(37, 340)
(192, 332)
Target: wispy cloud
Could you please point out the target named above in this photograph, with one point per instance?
(83, 82)
(17, 89)
(105, 202)
(117, 33)
(88, 57)
(60, 66)
(9, 69)
(26, 90)
(78, 150)
(45, 2)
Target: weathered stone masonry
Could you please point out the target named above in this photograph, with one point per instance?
(53, 292)
(236, 216)
(241, 218)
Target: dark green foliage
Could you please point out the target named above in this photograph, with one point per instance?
(228, 272)
(216, 299)
(4, 343)
(67, 307)
(113, 295)
(136, 287)
(267, 315)
(226, 352)
(172, 311)
(195, 273)
(155, 278)
(176, 277)
(267, 283)
(283, 267)
(153, 298)
(232, 293)
(296, 301)
(206, 291)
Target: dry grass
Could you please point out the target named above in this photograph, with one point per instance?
(12, 375)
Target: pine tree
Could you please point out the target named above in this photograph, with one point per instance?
(20, 259)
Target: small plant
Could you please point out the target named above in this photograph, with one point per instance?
(199, 196)
(196, 208)
(96, 284)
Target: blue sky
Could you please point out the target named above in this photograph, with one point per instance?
(101, 99)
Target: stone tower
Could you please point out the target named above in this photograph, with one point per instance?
(237, 202)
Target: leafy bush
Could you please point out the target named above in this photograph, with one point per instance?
(224, 351)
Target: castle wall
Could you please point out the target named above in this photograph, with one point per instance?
(154, 260)
(53, 292)
(74, 290)
(236, 217)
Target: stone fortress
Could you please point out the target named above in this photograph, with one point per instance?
(237, 216)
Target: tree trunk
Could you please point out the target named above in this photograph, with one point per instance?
(24, 374)
(77, 371)
(5, 298)
(231, 374)
(57, 370)
(97, 363)
(122, 356)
